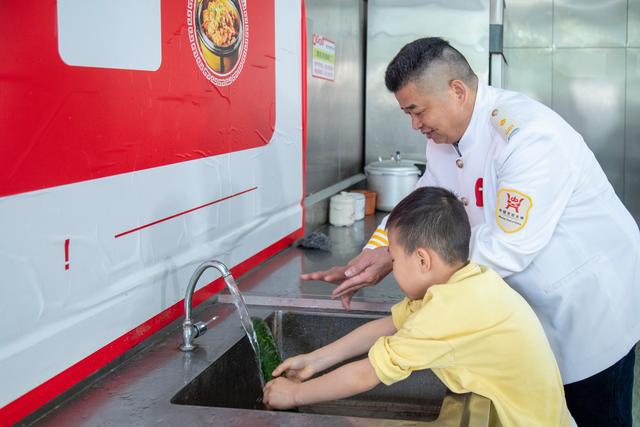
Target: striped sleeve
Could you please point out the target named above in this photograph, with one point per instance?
(379, 237)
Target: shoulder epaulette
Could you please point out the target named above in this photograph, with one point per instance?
(503, 123)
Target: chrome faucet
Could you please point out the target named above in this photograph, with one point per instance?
(190, 330)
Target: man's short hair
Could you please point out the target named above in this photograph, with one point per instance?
(434, 218)
(420, 56)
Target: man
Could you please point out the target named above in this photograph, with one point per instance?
(543, 215)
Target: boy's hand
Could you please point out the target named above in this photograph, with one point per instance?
(280, 393)
(297, 368)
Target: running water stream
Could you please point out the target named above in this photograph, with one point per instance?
(245, 320)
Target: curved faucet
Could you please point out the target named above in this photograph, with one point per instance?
(190, 330)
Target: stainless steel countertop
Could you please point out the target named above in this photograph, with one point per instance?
(137, 391)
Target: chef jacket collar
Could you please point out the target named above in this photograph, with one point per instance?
(479, 112)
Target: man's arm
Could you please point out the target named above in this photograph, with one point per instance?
(534, 185)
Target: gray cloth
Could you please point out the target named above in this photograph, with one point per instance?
(315, 240)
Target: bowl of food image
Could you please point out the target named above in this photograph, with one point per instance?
(219, 26)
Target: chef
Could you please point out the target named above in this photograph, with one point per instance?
(543, 215)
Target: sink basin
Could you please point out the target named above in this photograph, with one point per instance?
(232, 380)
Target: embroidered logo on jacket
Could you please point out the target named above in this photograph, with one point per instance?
(512, 210)
(504, 124)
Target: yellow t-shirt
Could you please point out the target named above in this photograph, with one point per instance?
(477, 335)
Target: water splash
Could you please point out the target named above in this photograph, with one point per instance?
(245, 320)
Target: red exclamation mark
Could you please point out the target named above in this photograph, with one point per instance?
(66, 254)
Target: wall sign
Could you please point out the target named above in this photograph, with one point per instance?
(323, 63)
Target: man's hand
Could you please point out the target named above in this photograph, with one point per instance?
(335, 275)
(298, 368)
(366, 269)
(280, 393)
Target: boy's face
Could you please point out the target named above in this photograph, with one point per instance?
(407, 270)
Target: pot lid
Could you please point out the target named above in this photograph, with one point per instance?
(392, 167)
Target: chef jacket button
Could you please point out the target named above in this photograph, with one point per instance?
(460, 163)
(464, 201)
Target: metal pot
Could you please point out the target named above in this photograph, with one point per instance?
(392, 180)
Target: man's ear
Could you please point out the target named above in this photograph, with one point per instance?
(424, 258)
(459, 89)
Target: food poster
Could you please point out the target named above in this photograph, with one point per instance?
(323, 63)
(138, 140)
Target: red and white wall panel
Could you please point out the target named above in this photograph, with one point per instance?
(125, 161)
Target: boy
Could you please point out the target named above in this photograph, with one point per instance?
(459, 319)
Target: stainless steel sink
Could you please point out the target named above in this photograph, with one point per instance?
(232, 381)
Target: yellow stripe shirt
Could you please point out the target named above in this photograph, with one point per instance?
(477, 335)
(378, 238)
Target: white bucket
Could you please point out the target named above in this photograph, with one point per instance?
(360, 202)
(342, 209)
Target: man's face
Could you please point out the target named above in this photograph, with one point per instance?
(438, 116)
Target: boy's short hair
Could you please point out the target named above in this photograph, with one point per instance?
(432, 217)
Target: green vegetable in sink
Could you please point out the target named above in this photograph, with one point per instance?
(269, 356)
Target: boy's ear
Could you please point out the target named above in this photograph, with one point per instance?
(424, 258)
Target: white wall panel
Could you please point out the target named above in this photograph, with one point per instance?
(110, 34)
(633, 23)
(528, 23)
(590, 23)
(529, 72)
(589, 92)
(632, 134)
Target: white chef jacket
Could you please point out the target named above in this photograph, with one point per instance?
(545, 217)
